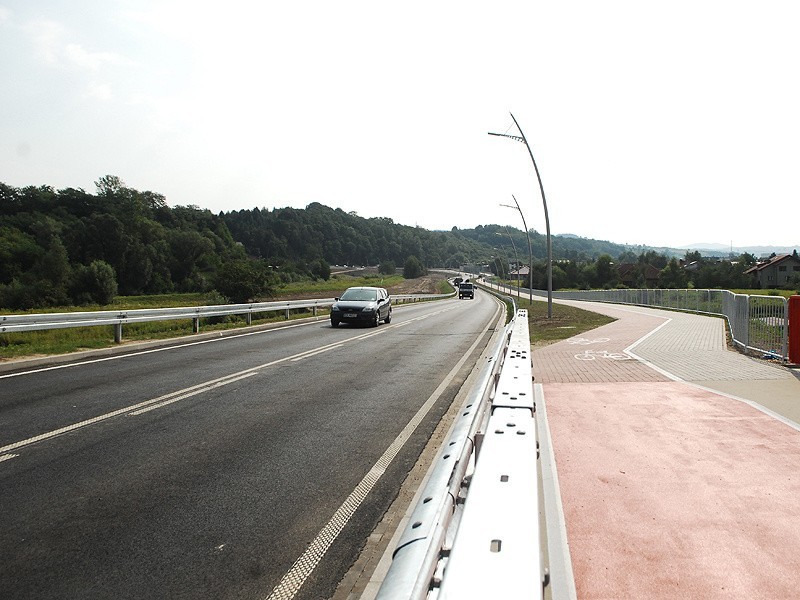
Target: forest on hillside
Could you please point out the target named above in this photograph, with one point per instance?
(69, 246)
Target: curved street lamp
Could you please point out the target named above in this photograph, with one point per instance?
(516, 257)
(530, 250)
(521, 138)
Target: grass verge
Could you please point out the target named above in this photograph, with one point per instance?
(567, 321)
(30, 344)
(337, 284)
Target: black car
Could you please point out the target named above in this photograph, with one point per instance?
(369, 305)
(466, 290)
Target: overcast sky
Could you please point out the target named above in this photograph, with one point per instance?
(659, 123)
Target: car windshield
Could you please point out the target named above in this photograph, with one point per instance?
(359, 295)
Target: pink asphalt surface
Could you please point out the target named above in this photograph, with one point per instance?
(669, 490)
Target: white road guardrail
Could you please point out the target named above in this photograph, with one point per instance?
(118, 318)
(475, 532)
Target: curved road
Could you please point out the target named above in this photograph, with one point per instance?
(251, 466)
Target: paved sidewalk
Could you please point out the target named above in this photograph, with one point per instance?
(678, 459)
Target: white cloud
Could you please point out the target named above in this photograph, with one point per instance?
(47, 37)
(51, 40)
(100, 91)
(80, 57)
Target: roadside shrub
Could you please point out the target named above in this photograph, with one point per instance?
(95, 283)
(243, 280)
(413, 268)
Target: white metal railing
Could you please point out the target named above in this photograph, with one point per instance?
(118, 318)
(475, 531)
(757, 323)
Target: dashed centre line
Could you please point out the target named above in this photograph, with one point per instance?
(172, 397)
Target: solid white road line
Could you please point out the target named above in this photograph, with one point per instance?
(293, 580)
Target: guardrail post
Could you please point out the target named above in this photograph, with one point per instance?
(794, 330)
(314, 310)
(249, 318)
(196, 325)
(287, 314)
(118, 333)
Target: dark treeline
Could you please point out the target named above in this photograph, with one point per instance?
(337, 237)
(69, 246)
(72, 247)
(648, 269)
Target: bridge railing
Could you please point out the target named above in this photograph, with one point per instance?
(756, 323)
(118, 318)
(475, 531)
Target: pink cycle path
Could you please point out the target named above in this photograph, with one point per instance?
(669, 490)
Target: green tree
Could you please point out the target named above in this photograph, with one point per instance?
(672, 276)
(606, 273)
(18, 253)
(387, 267)
(96, 283)
(413, 268)
(321, 269)
(243, 280)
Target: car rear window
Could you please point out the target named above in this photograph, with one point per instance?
(359, 295)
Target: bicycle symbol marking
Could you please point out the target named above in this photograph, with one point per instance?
(594, 354)
(586, 341)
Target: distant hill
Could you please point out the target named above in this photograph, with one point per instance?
(565, 247)
(713, 249)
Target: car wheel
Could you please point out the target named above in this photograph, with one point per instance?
(388, 318)
(377, 320)
(334, 323)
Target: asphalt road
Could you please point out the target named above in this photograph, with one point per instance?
(207, 470)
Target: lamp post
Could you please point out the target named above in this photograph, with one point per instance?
(530, 249)
(521, 138)
(516, 257)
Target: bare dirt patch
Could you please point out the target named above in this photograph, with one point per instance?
(429, 284)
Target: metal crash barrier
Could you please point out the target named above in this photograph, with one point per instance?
(475, 532)
(118, 318)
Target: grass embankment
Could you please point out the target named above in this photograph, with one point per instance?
(62, 341)
(445, 287)
(335, 285)
(566, 322)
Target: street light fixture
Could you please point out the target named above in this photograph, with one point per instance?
(521, 138)
(516, 256)
(530, 249)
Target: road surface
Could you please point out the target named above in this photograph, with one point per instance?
(252, 466)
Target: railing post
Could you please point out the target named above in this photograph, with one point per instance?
(794, 330)
(196, 325)
(249, 318)
(287, 314)
(118, 333)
